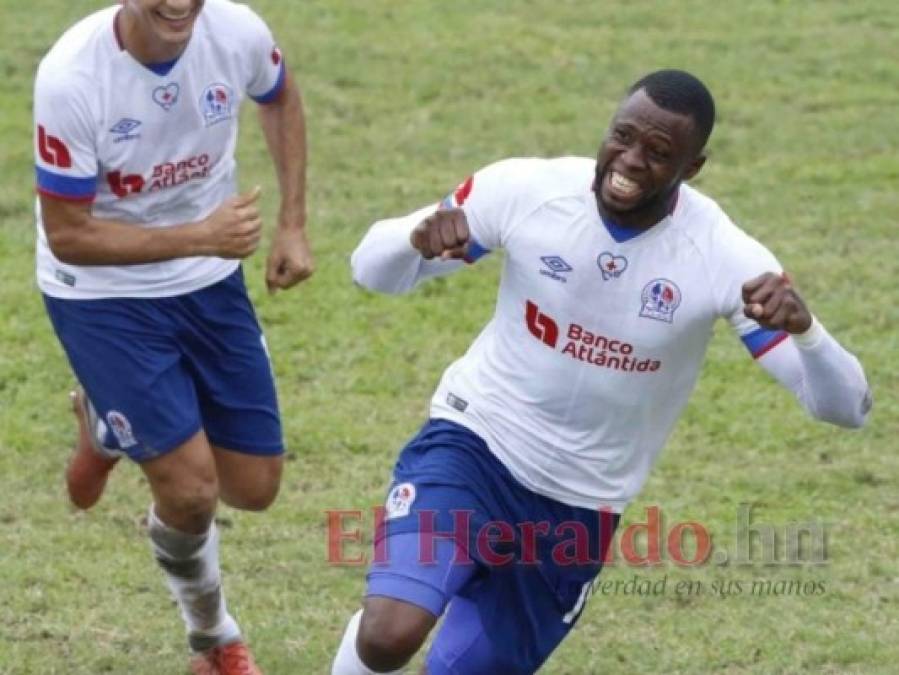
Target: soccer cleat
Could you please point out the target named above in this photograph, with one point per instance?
(91, 462)
(233, 658)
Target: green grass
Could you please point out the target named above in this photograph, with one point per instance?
(404, 100)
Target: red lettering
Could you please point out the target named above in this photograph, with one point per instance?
(487, 537)
(676, 544)
(653, 528)
(337, 536)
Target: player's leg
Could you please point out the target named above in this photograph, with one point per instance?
(462, 644)
(146, 396)
(91, 460)
(185, 540)
(247, 482)
(236, 393)
(404, 599)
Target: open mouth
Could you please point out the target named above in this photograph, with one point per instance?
(175, 22)
(620, 188)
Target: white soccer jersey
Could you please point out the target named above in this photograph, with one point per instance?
(598, 335)
(152, 146)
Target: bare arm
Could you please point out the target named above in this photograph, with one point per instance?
(76, 237)
(284, 126)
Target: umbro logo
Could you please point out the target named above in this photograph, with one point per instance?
(555, 267)
(123, 128)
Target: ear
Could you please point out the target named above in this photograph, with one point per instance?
(694, 167)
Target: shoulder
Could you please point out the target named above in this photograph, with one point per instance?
(226, 19)
(537, 179)
(701, 219)
(725, 247)
(75, 57)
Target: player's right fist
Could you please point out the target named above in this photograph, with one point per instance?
(235, 227)
(443, 234)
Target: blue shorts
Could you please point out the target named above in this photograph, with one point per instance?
(160, 369)
(511, 568)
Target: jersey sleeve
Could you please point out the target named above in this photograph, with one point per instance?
(65, 155)
(266, 69)
(740, 259)
(493, 200)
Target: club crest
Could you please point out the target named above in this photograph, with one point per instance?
(660, 298)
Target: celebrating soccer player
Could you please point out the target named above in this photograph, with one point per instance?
(615, 271)
(140, 236)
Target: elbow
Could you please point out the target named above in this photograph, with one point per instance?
(368, 275)
(849, 415)
(63, 245)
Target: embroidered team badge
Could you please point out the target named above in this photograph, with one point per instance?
(611, 266)
(121, 428)
(399, 501)
(166, 96)
(660, 298)
(216, 103)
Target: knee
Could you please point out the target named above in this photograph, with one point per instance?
(388, 640)
(255, 488)
(256, 498)
(188, 507)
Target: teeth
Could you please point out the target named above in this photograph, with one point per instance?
(622, 184)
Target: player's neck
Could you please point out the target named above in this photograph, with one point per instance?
(144, 48)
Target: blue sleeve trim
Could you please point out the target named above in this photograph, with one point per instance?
(272, 93)
(66, 186)
(763, 340)
(475, 252)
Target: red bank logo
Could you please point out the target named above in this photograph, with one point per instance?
(586, 346)
(541, 326)
(52, 150)
(122, 186)
(165, 175)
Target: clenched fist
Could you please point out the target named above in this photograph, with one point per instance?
(233, 230)
(444, 234)
(772, 301)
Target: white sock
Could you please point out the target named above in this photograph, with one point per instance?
(191, 566)
(347, 661)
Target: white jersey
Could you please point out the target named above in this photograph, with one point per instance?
(598, 335)
(152, 146)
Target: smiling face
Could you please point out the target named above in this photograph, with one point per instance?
(158, 30)
(645, 155)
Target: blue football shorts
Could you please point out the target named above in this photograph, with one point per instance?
(160, 369)
(511, 569)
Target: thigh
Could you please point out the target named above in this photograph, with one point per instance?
(461, 646)
(225, 349)
(124, 353)
(425, 574)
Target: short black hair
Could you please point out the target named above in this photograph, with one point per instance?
(681, 92)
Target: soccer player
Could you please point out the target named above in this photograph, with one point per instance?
(615, 271)
(140, 236)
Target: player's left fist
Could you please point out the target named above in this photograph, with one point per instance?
(772, 301)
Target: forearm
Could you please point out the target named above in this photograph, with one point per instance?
(95, 241)
(284, 127)
(827, 379)
(385, 260)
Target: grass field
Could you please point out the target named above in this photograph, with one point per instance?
(404, 99)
